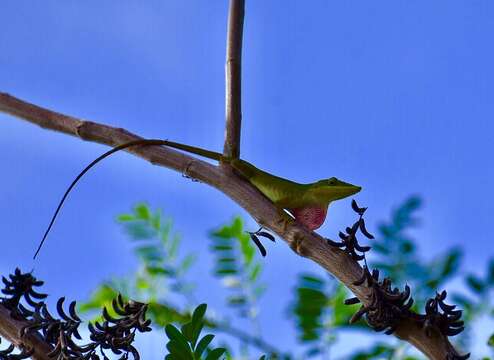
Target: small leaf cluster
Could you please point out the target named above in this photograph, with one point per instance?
(319, 312)
(186, 343)
(237, 266)
(157, 248)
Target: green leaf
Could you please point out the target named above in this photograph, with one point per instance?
(215, 354)
(237, 227)
(237, 300)
(142, 284)
(475, 284)
(102, 297)
(254, 272)
(202, 345)
(187, 330)
(125, 217)
(174, 334)
(490, 342)
(225, 233)
(313, 281)
(139, 230)
(164, 271)
(187, 262)
(197, 322)
(222, 247)
(149, 253)
(490, 272)
(223, 272)
(155, 220)
(313, 352)
(178, 351)
(451, 263)
(198, 314)
(142, 212)
(178, 345)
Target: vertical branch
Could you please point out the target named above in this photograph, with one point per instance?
(234, 78)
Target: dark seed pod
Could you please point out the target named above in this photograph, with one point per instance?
(266, 235)
(20, 287)
(364, 230)
(446, 322)
(358, 209)
(255, 238)
(349, 242)
(8, 353)
(258, 243)
(61, 332)
(352, 301)
(335, 244)
(385, 306)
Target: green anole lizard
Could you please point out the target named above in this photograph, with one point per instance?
(308, 203)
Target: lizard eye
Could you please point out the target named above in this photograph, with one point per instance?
(332, 181)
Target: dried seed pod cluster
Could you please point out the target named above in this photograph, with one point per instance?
(117, 334)
(113, 333)
(349, 242)
(8, 354)
(19, 287)
(447, 322)
(386, 305)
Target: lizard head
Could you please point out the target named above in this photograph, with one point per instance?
(331, 189)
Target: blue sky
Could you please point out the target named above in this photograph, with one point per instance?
(395, 96)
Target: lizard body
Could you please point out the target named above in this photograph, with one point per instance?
(308, 203)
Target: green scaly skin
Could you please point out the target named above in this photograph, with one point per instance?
(308, 202)
(285, 194)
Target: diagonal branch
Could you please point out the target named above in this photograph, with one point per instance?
(10, 329)
(233, 78)
(303, 242)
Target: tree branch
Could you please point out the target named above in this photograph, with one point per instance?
(233, 78)
(303, 242)
(10, 329)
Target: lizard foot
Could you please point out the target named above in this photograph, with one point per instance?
(297, 245)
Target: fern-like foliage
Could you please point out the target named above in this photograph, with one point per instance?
(238, 267)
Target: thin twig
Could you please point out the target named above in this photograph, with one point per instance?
(233, 79)
(303, 242)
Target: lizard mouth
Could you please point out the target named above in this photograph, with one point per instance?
(345, 191)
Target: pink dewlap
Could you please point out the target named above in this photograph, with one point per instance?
(312, 217)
